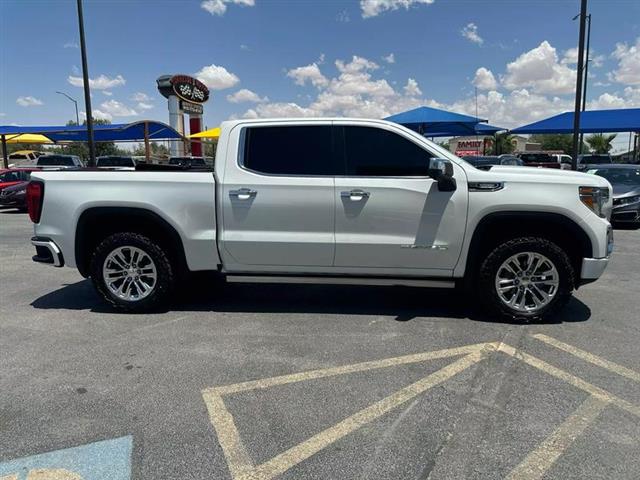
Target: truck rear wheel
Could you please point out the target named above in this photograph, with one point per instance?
(132, 272)
(526, 279)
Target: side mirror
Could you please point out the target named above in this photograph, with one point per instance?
(441, 170)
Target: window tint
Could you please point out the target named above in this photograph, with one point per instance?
(381, 153)
(55, 160)
(295, 150)
(18, 156)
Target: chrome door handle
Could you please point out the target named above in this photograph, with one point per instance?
(355, 195)
(243, 193)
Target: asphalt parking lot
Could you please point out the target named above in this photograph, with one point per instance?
(260, 382)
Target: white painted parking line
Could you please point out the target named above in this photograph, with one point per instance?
(538, 462)
(589, 357)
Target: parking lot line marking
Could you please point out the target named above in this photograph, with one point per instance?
(344, 369)
(570, 379)
(239, 461)
(538, 462)
(589, 357)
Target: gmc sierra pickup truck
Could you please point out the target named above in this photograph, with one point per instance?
(329, 200)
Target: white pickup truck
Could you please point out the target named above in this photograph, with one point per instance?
(329, 201)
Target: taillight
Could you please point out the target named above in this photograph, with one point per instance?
(35, 196)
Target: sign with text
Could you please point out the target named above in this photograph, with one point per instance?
(189, 89)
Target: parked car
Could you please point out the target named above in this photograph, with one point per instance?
(59, 161)
(23, 158)
(538, 159)
(485, 162)
(115, 161)
(350, 201)
(625, 179)
(14, 196)
(563, 159)
(586, 160)
(13, 176)
(188, 161)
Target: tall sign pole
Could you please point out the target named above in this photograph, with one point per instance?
(576, 112)
(586, 77)
(87, 90)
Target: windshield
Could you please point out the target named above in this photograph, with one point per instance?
(55, 160)
(595, 159)
(620, 176)
(115, 162)
(9, 177)
(536, 158)
(18, 156)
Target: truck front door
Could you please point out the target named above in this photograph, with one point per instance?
(277, 196)
(391, 218)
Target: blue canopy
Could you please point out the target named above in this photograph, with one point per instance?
(593, 121)
(433, 122)
(102, 133)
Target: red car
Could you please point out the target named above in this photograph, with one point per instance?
(13, 176)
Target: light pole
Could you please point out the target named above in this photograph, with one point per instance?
(586, 74)
(75, 103)
(576, 112)
(87, 91)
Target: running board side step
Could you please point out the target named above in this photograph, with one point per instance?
(382, 281)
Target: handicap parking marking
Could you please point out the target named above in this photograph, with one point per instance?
(107, 459)
(533, 467)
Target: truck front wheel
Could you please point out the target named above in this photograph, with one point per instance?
(132, 272)
(526, 279)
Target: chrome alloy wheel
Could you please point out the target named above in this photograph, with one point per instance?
(129, 273)
(527, 281)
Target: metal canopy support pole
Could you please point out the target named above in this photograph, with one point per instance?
(576, 112)
(147, 150)
(87, 91)
(5, 154)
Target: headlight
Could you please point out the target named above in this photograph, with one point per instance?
(19, 192)
(626, 200)
(595, 198)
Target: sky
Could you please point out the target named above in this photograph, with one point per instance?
(275, 58)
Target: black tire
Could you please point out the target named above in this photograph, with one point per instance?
(165, 281)
(489, 297)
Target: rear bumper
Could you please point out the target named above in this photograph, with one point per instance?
(47, 252)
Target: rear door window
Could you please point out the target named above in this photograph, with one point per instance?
(370, 151)
(290, 150)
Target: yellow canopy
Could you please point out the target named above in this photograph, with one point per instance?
(212, 133)
(27, 138)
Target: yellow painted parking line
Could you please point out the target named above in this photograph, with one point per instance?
(344, 369)
(570, 379)
(589, 357)
(538, 462)
(240, 464)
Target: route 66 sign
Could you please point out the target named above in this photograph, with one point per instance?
(189, 89)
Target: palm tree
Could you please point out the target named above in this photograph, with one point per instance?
(503, 144)
(601, 143)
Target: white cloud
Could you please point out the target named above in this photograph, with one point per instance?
(391, 58)
(343, 16)
(540, 70)
(107, 93)
(144, 106)
(117, 109)
(98, 115)
(245, 95)
(484, 79)
(628, 57)
(311, 73)
(470, 32)
(629, 98)
(101, 82)
(216, 77)
(570, 57)
(372, 8)
(218, 7)
(71, 45)
(244, 47)
(412, 89)
(140, 97)
(28, 101)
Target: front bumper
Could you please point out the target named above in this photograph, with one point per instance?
(592, 268)
(47, 252)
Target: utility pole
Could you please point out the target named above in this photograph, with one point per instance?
(576, 112)
(87, 90)
(586, 77)
(75, 103)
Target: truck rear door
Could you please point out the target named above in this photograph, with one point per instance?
(277, 196)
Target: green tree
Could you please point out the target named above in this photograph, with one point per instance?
(555, 141)
(601, 143)
(503, 144)
(444, 145)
